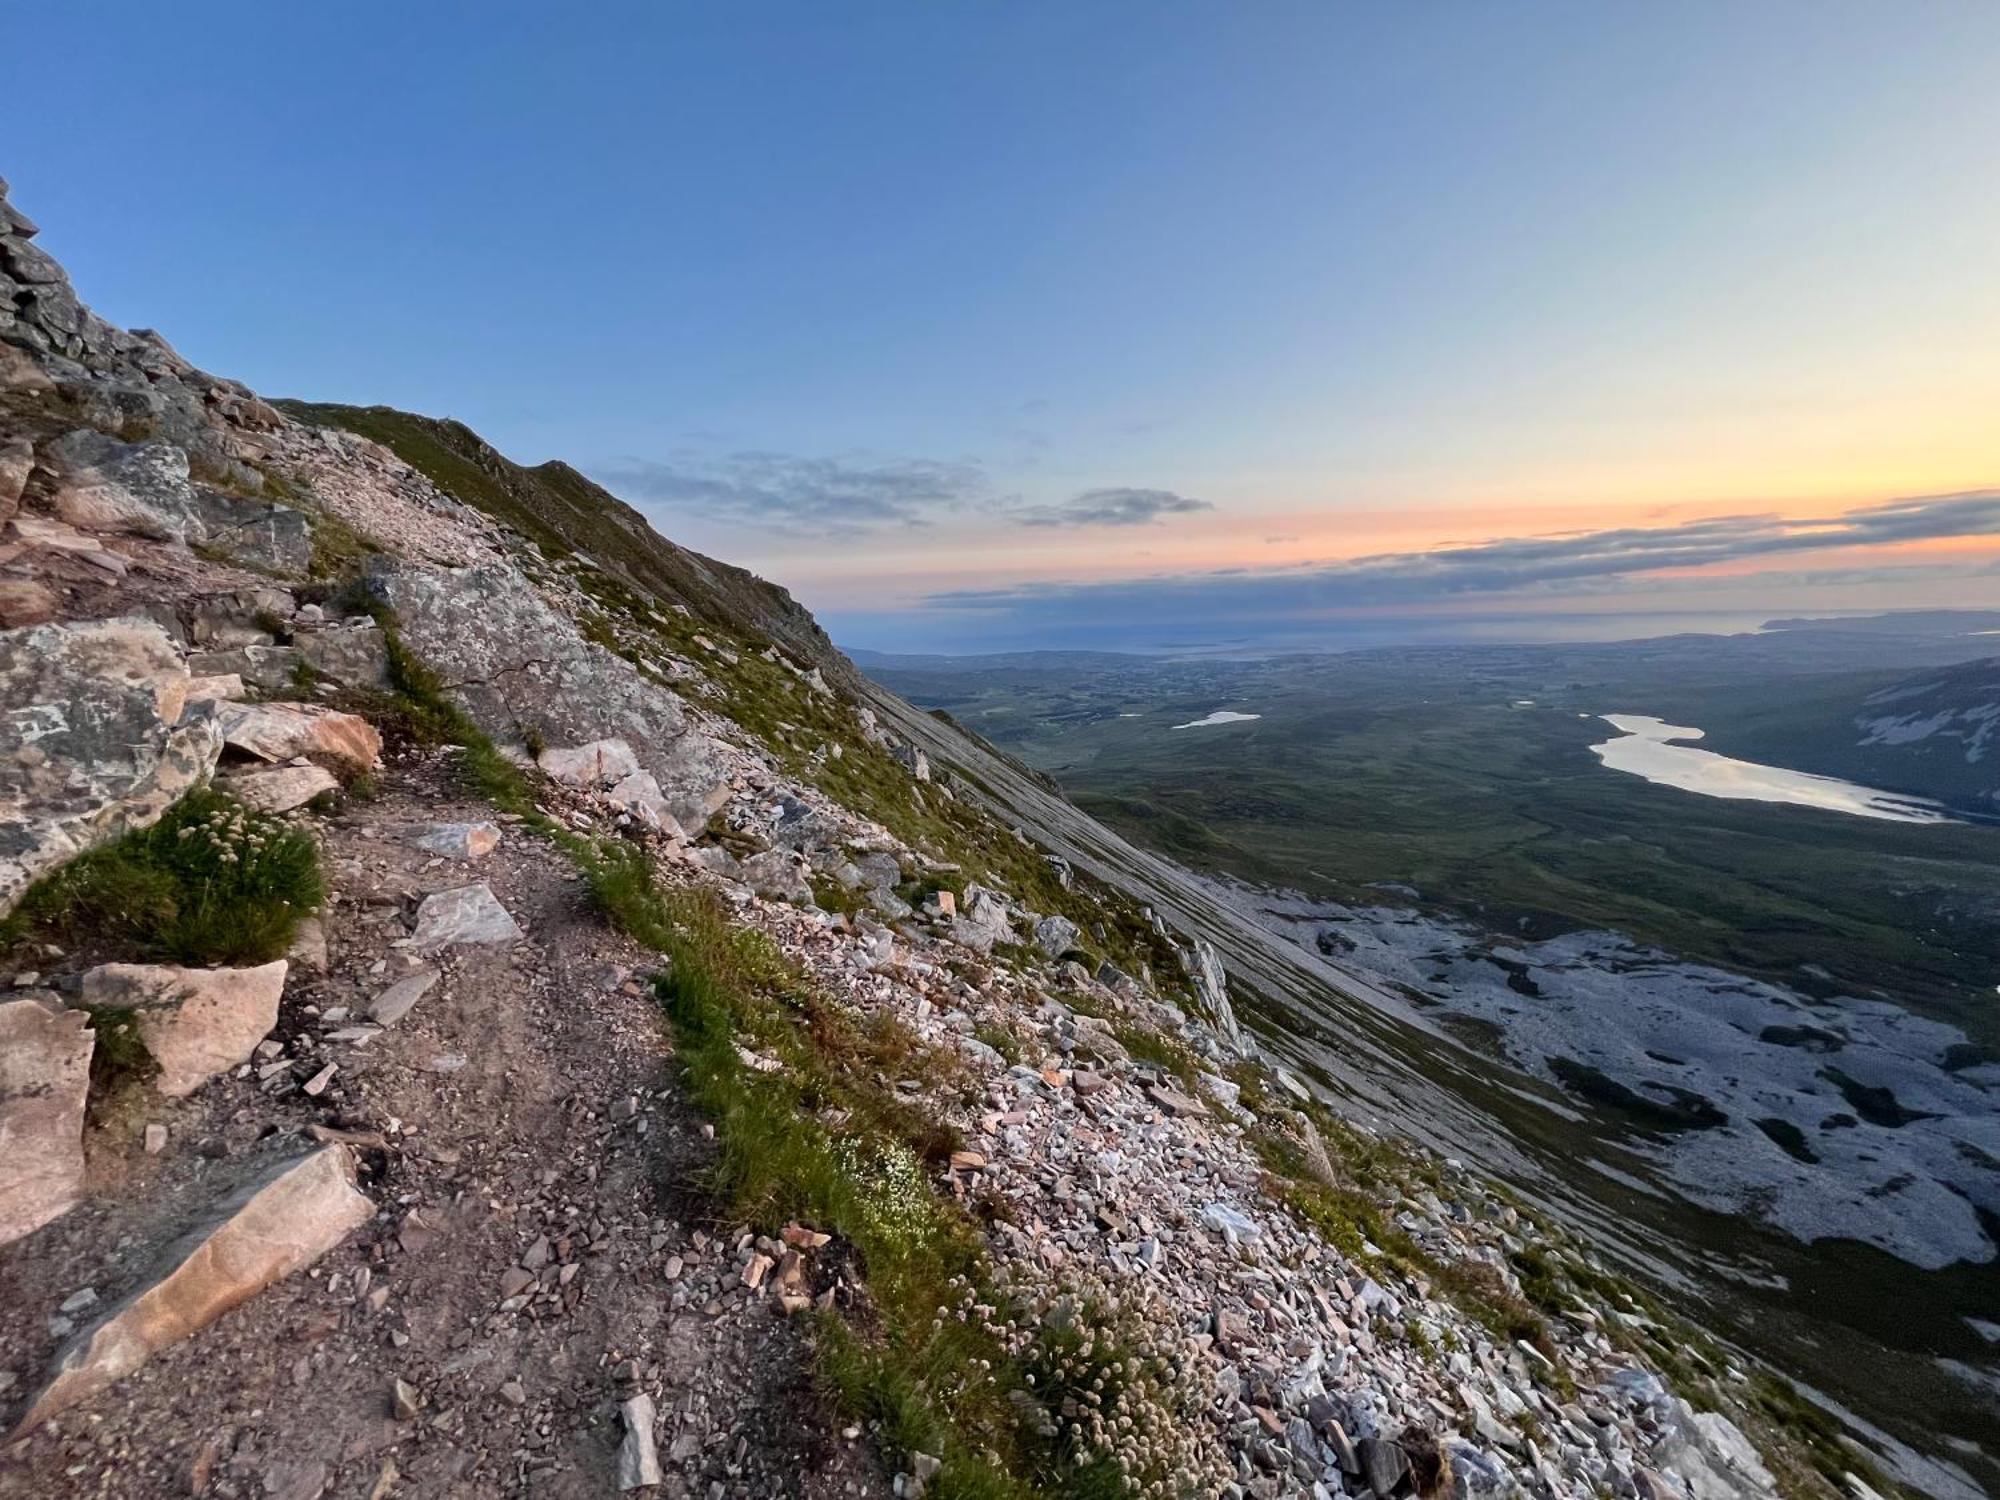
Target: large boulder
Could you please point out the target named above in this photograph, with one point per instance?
(142, 489)
(44, 1083)
(983, 919)
(278, 1223)
(262, 533)
(93, 740)
(592, 767)
(195, 1023)
(526, 674)
(286, 731)
(138, 489)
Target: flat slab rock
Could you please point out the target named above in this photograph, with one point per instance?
(196, 1023)
(467, 841)
(277, 1224)
(465, 914)
(286, 731)
(280, 789)
(400, 998)
(44, 1083)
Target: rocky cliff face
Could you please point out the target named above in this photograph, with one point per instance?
(500, 1007)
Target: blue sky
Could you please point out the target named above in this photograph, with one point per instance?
(908, 304)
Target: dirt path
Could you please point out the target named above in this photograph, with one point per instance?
(541, 1251)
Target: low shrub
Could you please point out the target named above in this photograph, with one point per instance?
(211, 883)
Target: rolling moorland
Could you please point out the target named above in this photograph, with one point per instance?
(1465, 777)
(1777, 1019)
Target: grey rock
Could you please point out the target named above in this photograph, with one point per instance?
(590, 767)
(466, 841)
(638, 1459)
(465, 914)
(93, 740)
(44, 1083)
(395, 1002)
(141, 489)
(1055, 936)
(1212, 991)
(777, 874)
(1477, 1476)
(260, 533)
(1383, 1464)
(518, 667)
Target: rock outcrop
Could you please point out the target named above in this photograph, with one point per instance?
(523, 670)
(1212, 990)
(44, 1082)
(93, 740)
(279, 1223)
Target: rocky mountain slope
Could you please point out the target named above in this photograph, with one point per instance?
(497, 1006)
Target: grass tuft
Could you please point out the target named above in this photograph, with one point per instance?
(210, 883)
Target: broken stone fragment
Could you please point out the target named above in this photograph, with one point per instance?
(465, 914)
(592, 767)
(395, 1002)
(285, 731)
(1383, 1464)
(1055, 936)
(466, 841)
(44, 1083)
(279, 789)
(195, 1023)
(278, 1223)
(638, 1459)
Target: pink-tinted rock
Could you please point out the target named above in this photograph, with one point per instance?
(44, 1083)
(285, 731)
(195, 1022)
(275, 1225)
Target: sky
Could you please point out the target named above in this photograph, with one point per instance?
(987, 326)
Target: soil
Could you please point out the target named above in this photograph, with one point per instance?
(525, 1112)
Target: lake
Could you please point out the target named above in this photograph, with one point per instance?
(1220, 716)
(1648, 747)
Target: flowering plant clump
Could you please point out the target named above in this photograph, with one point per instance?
(895, 1196)
(211, 882)
(1107, 1385)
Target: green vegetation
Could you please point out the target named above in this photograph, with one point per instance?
(210, 883)
(1467, 776)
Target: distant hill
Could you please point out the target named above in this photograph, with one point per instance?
(1941, 728)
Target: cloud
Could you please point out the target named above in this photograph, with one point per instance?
(821, 496)
(1568, 564)
(1112, 507)
(852, 495)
